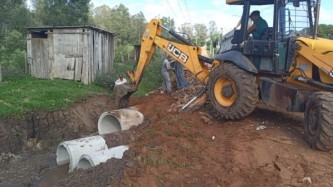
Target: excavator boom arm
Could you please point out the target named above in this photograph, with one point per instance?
(186, 53)
(146, 51)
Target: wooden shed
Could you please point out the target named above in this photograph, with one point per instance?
(74, 53)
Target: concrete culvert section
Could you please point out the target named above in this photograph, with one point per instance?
(85, 163)
(95, 158)
(62, 155)
(71, 151)
(108, 123)
(119, 120)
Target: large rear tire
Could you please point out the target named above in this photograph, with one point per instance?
(318, 121)
(232, 91)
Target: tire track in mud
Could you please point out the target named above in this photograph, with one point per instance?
(231, 132)
(245, 155)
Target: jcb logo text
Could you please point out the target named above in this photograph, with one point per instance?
(177, 52)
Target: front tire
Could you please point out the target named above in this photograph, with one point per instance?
(232, 91)
(318, 121)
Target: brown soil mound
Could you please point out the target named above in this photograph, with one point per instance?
(266, 148)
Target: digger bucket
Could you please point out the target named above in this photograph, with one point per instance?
(122, 94)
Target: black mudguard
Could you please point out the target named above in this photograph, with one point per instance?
(238, 59)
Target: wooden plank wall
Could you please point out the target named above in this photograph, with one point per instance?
(104, 52)
(38, 55)
(80, 54)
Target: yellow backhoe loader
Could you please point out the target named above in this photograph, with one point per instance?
(288, 66)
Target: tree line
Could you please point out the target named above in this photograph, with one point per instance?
(17, 15)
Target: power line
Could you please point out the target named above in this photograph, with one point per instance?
(171, 8)
(181, 10)
(188, 13)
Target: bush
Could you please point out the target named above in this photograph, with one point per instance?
(12, 54)
(151, 78)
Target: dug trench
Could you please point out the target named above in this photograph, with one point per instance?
(267, 148)
(28, 143)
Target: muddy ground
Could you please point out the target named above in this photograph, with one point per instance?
(267, 148)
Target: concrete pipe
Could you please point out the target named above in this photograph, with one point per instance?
(119, 120)
(71, 151)
(95, 158)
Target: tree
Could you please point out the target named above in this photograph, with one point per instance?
(13, 53)
(325, 31)
(13, 16)
(128, 28)
(121, 23)
(213, 36)
(200, 34)
(102, 17)
(62, 12)
(187, 29)
(116, 20)
(170, 24)
(138, 23)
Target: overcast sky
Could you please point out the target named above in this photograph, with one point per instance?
(199, 11)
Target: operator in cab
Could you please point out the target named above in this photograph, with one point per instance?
(258, 27)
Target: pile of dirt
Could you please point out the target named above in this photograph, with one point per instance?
(266, 148)
(102, 175)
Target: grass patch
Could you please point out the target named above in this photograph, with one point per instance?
(160, 179)
(155, 162)
(191, 138)
(151, 77)
(21, 94)
(186, 125)
(156, 158)
(177, 164)
(172, 133)
(156, 150)
(150, 133)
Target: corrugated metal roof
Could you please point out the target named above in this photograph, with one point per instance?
(67, 27)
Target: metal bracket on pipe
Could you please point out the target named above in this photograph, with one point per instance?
(203, 91)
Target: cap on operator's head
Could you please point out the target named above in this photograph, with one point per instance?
(255, 13)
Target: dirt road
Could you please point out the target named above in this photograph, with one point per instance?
(179, 149)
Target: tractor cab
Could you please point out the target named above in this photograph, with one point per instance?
(271, 53)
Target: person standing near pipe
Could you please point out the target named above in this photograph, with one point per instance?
(166, 67)
(120, 80)
(180, 75)
(121, 88)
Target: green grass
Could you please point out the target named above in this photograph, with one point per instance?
(151, 79)
(150, 133)
(170, 132)
(21, 94)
